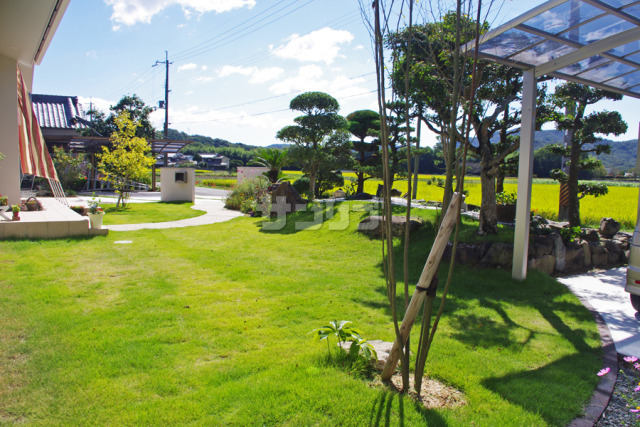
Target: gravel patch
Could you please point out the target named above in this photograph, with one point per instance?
(618, 412)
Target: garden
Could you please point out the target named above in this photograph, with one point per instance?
(94, 331)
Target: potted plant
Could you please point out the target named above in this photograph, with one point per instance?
(4, 200)
(96, 214)
(32, 204)
(16, 212)
(506, 207)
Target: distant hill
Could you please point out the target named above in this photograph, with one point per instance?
(622, 157)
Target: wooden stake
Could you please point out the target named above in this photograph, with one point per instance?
(420, 292)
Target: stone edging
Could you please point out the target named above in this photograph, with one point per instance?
(601, 395)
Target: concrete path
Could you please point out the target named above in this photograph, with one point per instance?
(209, 200)
(604, 290)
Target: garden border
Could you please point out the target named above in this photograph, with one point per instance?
(602, 394)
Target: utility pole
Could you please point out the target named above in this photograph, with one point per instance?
(166, 113)
(166, 93)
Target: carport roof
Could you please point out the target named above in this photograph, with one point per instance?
(593, 42)
(95, 144)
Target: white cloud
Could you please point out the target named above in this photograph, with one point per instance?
(95, 103)
(92, 54)
(309, 78)
(204, 67)
(204, 79)
(312, 78)
(318, 46)
(130, 12)
(187, 67)
(258, 75)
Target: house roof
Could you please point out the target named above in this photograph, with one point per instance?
(58, 111)
(593, 42)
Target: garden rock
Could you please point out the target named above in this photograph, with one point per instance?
(545, 263)
(599, 255)
(586, 252)
(394, 192)
(467, 253)
(360, 196)
(286, 199)
(382, 348)
(499, 254)
(608, 227)
(541, 245)
(591, 235)
(559, 250)
(374, 225)
(574, 257)
(339, 194)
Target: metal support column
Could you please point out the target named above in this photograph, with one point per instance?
(525, 176)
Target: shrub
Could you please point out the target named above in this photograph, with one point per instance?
(249, 195)
(219, 183)
(301, 185)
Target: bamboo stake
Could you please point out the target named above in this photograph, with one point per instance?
(429, 270)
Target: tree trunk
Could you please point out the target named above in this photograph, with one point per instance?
(360, 176)
(488, 214)
(500, 181)
(574, 201)
(313, 173)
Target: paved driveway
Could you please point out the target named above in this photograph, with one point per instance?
(604, 290)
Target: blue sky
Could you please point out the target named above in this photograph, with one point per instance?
(236, 63)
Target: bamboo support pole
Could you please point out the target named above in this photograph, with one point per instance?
(424, 282)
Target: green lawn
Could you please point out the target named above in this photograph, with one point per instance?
(141, 213)
(208, 326)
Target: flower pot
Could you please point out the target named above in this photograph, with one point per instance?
(96, 220)
(16, 216)
(506, 213)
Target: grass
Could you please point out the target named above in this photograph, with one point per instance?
(141, 213)
(209, 326)
(620, 203)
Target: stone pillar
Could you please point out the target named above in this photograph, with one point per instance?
(10, 166)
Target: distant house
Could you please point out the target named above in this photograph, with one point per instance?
(214, 162)
(60, 117)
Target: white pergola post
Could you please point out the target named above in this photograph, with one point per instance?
(525, 175)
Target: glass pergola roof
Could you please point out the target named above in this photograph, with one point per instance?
(593, 42)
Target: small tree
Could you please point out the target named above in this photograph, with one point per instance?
(128, 158)
(273, 159)
(570, 101)
(69, 167)
(319, 137)
(364, 124)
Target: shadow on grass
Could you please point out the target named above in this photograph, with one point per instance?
(479, 316)
(335, 216)
(382, 413)
(531, 389)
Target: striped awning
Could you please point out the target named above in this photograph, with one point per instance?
(34, 156)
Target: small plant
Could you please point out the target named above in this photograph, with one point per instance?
(4, 200)
(570, 234)
(506, 198)
(94, 207)
(361, 356)
(15, 208)
(247, 195)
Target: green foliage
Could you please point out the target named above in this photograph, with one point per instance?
(320, 141)
(570, 234)
(361, 355)
(328, 179)
(301, 185)
(249, 196)
(218, 183)
(135, 109)
(273, 159)
(69, 168)
(506, 198)
(591, 188)
(128, 158)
